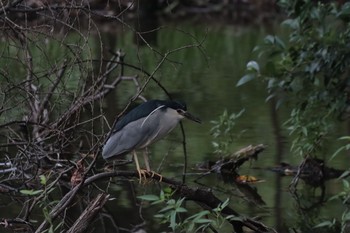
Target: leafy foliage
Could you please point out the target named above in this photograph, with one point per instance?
(344, 197)
(171, 214)
(309, 71)
(222, 131)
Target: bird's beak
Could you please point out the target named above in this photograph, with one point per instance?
(191, 117)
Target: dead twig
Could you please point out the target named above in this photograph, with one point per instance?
(84, 220)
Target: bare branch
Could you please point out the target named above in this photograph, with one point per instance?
(85, 219)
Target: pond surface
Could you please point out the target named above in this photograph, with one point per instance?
(206, 79)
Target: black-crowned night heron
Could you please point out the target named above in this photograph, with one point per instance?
(142, 126)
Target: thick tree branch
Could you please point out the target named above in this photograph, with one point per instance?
(203, 197)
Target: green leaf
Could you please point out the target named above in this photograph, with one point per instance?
(149, 197)
(324, 224)
(43, 179)
(181, 210)
(345, 138)
(229, 217)
(203, 220)
(169, 207)
(168, 190)
(190, 227)
(270, 97)
(236, 218)
(346, 216)
(171, 202)
(162, 195)
(226, 202)
(31, 192)
(336, 153)
(345, 11)
(246, 78)
(173, 221)
(253, 66)
(269, 39)
(157, 202)
(345, 174)
(279, 42)
(292, 23)
(199, 215)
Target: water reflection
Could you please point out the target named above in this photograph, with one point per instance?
(205, 78)
(207, 83)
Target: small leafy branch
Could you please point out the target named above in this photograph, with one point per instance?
(173, 211)
(223, 133)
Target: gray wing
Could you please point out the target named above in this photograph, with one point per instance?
(130, 137)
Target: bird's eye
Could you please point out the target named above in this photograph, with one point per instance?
(180, 111)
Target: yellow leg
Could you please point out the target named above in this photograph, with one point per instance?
(148, 167)
(141, 172)
(146, 158)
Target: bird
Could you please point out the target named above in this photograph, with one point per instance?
(142, 126)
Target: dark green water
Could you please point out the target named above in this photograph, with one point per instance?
(206, 79)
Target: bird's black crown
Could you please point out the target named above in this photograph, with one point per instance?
(175, 104)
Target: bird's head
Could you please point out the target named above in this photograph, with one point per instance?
(181, 110)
